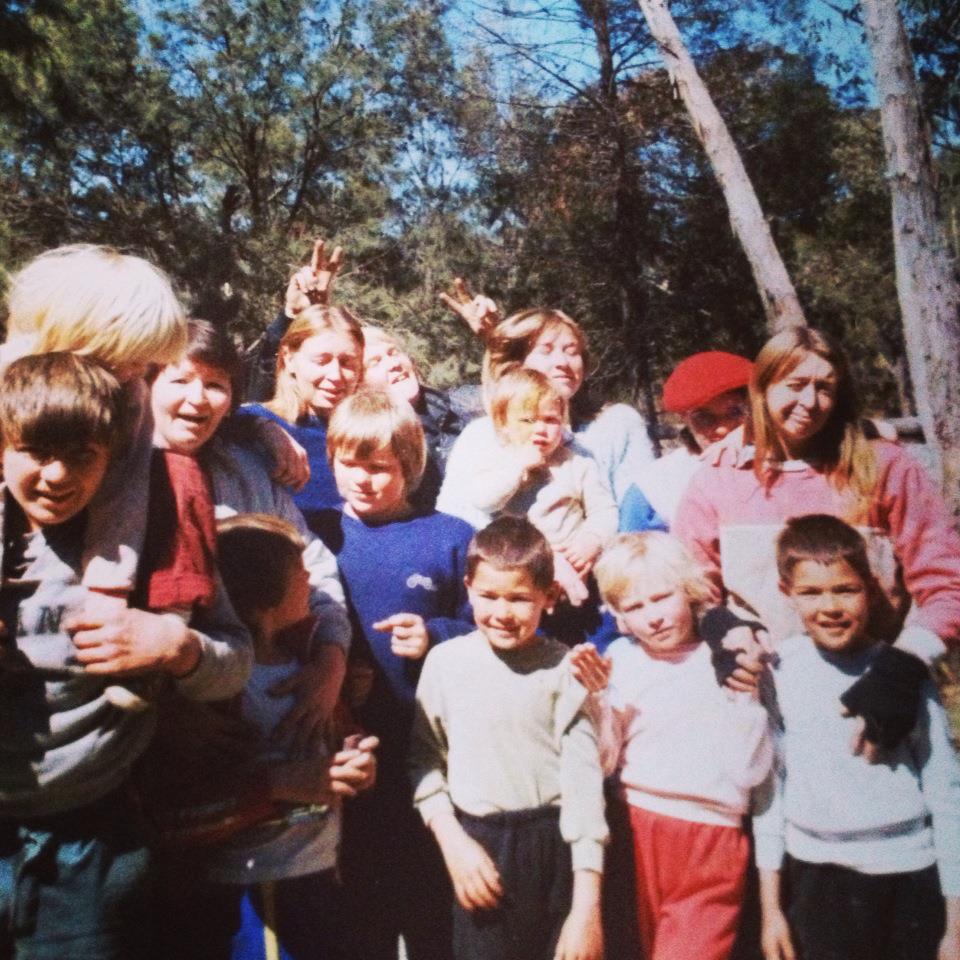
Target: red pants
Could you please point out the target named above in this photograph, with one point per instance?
(690, 884)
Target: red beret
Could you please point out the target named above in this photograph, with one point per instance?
(703, 377)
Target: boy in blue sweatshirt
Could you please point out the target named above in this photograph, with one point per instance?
(869, 852)
(74, 870)
(403, 574)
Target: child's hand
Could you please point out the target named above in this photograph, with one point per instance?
(479, 313)
(581, 937)
(775, 937)
(291, 465)
(529, 456)
(860, 745)
(569, 580)
(313, 284)
(582, 550)
(589, 668)
(410, 638)
(950, 944)
(476, 880)
(354, 768)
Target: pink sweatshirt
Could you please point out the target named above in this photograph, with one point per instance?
(685, 748)
(730, 522)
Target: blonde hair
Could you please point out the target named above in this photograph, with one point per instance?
(369, 420)
(288, 401)
(93, 300)
(511, 340)
(256, 555)
(652, 556)
(846, 456)
(520, 393)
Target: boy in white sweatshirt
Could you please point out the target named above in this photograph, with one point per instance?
(868, 852)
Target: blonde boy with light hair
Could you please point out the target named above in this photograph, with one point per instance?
(689, 753)
(402, 570)
(532, 472)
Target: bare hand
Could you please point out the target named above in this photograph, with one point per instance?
(569, 580)
(950, 944)
(479, 313)
(354, 768)
(313, 284)
(134, 641)
(409, 635)
(775, 938)
(291, 465)
(476, 880)
(590, 669)
(581, 937)
(582, 551)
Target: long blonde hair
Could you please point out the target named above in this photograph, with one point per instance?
(288, 401)
(842, 450)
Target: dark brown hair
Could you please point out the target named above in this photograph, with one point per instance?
(823, 539)
(54, 401)
(256, 554)
(512, 543)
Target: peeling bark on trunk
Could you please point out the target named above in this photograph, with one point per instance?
(927, 283)
(780, 303)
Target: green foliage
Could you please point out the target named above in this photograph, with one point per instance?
(545, 167)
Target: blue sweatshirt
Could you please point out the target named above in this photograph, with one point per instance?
(320, 492)
(415, 565)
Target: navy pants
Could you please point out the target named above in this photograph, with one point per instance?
(537, 879)
(838, 914)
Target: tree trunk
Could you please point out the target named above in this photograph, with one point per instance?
(780, 303)
(927, 284)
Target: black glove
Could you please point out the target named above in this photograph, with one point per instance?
(887, 696)
(715, 624)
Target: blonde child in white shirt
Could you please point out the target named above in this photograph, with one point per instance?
(689, 753)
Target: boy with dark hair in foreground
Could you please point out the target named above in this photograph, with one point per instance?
(868, 851)
(506, 768)
(73, 866)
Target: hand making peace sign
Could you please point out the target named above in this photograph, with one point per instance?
(478, 312)
(313, 284)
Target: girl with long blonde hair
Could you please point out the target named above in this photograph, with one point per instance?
(320, 361)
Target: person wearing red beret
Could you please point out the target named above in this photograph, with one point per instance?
(709, 392)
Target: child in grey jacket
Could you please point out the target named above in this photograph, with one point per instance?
(73, 862)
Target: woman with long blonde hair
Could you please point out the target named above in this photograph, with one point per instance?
(805, 450)
(320, 361)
